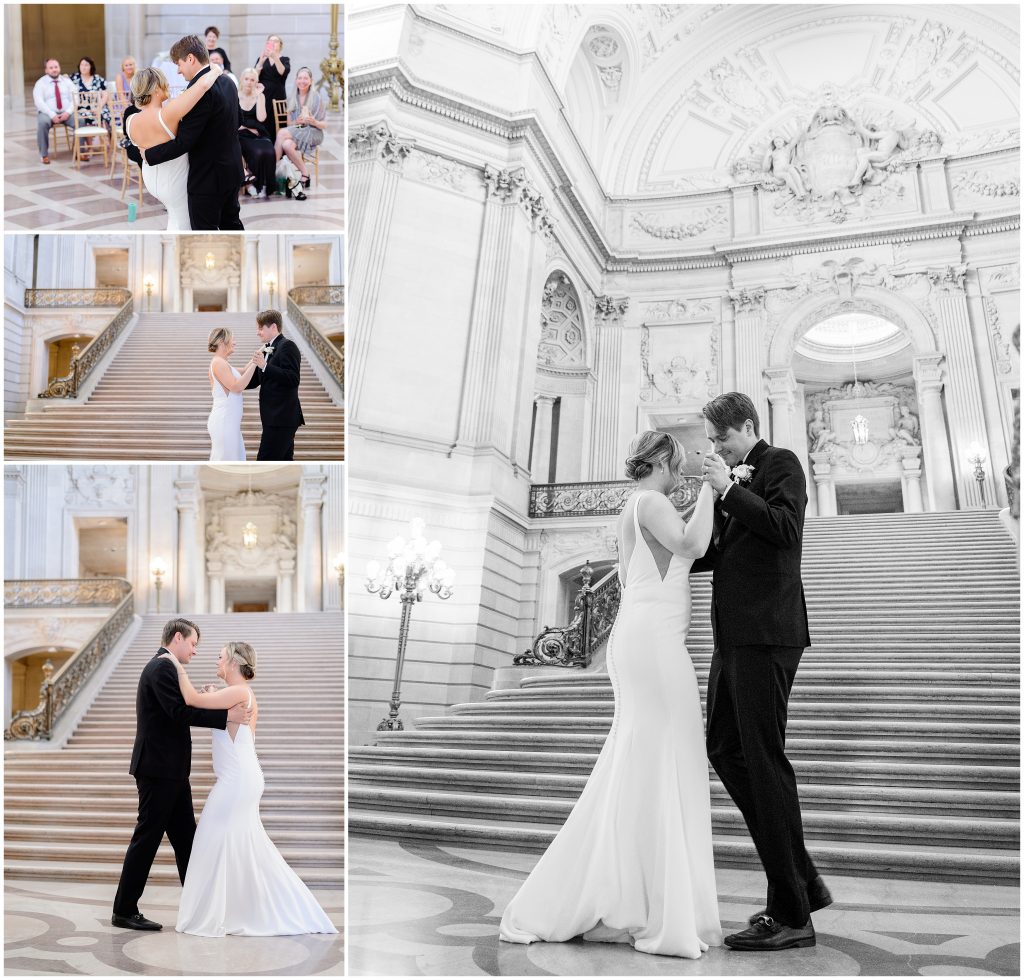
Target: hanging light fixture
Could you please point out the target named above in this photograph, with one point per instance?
(861, 434)
(250, 533)
(210, 261)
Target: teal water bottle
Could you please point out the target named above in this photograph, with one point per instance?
(131, 210)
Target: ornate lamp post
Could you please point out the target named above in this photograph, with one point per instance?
(976, 456)
(339, 569)
(149, 282)
(270, 283)
(332, 68)
(158, 568)
(411, 566)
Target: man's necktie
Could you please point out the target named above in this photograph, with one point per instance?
(56, 90)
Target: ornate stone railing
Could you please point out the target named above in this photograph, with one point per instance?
(58, 690)
(574, 645)
(83, 365)
(332, 358)
(598, 499)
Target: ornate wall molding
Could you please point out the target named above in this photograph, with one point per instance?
(376, 141)
(431, 168)
(947, 279)
(603, 499)
(610, 308)
(1000, 346)
(562, 343)
(514, 186)
(101, 485)
(748, 299)
(713, 216)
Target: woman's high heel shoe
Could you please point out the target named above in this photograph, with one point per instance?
(305, 181)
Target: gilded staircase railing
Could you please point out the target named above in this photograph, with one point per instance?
(59, 689)
(595, 606)
(83, 365)
(332, 358)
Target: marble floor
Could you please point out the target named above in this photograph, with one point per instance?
(59, 197)
(55, 927)
(417, 908)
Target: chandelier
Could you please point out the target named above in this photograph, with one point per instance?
(250, 535)
(859, 423)
(210, 261)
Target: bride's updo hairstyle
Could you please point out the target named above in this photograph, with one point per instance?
(218, 336)
(650, 449)
(145, 82)
(243, 655)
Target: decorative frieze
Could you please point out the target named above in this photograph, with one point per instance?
(101, 485)
(1000, 347)
(987, 183)
(604, 499)
(698, 222)
(433, 169)
(378, 142)
(678, 309)
(610, 307)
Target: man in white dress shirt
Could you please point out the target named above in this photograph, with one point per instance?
(54, 98)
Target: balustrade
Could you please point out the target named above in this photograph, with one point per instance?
(59, 690)
(332, 358)
(598, 499)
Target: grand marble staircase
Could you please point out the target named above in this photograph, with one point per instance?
(903, 730)
(69, 813)
(153, 400)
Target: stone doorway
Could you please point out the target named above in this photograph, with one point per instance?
(869, 498)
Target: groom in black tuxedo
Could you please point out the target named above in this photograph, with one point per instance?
(759, 620)
(277, 377)
(161, 764)
(209, 135)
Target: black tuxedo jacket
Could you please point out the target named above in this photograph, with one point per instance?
(134, 153)
(279, 386)
(757, 593)
(209, 135)
(163, 743)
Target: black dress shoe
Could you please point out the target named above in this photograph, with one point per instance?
(818, 897)
(767, 935)
(137, 921)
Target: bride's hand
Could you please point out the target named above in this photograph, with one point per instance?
(169, 656)
(215, 72)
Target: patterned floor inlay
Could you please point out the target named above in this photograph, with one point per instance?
(59, 197)
(53, 927)
(425, 910)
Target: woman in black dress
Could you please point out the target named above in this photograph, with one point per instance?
(273, 69)
(257, 147)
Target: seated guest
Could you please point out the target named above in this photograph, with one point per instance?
(123, 81)
(307, 115)
(54, 98)
(216, 59)
(212, 42)
(257, 146)
(87, 80)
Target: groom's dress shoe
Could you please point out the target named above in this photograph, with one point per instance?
(818, 898)
(766, 935)
(137, 921)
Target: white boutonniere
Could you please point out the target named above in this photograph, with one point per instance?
(267, 349)
(743, 472)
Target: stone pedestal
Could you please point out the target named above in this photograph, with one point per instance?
(910, 466)
(825, 483)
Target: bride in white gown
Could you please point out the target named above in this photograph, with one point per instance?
(634, 861)
(225, 422)
(157, 123)
(237, 883)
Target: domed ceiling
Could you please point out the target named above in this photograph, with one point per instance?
(671, 97)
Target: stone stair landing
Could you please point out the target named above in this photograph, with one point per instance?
(70, 813)
(903, 730)
(154, 397)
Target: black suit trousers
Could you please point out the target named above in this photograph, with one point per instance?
(747, 705)
(165, 806)
(277, 443)
(212, 212)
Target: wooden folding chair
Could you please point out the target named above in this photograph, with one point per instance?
(89, 105)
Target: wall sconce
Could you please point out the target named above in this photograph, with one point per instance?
(270, 283)
(158, 569)
(977, 457)
(339, 569)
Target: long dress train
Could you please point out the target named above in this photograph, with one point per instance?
(237, 883)
(634, 861)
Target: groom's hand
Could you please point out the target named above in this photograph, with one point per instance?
(240, 714)
(715, 472)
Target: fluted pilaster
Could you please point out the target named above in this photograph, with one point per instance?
(605, 451)
(749, 327)
(938, 468)
(190, 591)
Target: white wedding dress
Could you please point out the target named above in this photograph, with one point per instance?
(237, 883)
(634, 861)
(225, 423)
(168, 183)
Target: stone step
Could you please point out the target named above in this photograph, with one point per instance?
(818, 824)
(849, 857)
(62, 850)
(867, 772)
(163, 872)
(866, 798)
(101, 814)
(118, 836)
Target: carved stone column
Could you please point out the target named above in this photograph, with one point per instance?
(234, 282)
(750, 321)
(169, 283)
(605, 451)
(189, 575)
(910, 471)
(938, 468)
(311, 496)
(963, 386)
(782, 397)
(251, 276)
(215, 576)
(187, 302)
(285, 585)
(376, 158)
(540, 460)
(506, 272)
(825, 483)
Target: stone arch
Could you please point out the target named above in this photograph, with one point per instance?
(911, 319)
(563, 342)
